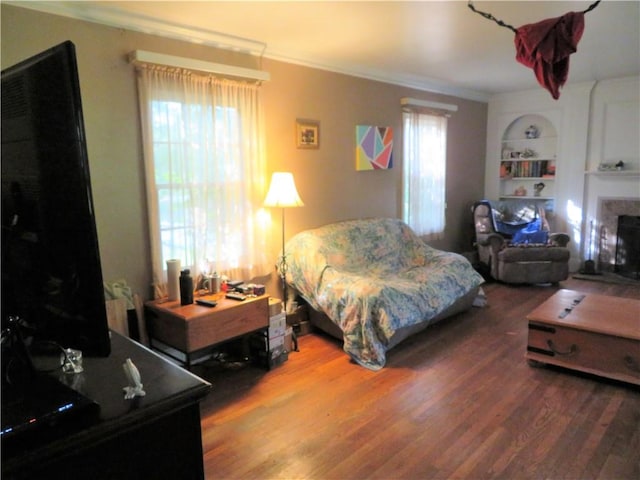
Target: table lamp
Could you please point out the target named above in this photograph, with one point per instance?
(282, 193)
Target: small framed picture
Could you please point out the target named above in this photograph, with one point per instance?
(307, 133)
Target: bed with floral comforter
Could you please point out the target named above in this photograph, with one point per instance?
(375, 278)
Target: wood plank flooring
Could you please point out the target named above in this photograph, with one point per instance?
(456, 401)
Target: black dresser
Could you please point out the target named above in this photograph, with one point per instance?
(156, 436)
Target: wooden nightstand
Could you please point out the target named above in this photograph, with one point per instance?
(185, 332)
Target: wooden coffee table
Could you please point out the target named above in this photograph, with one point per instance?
(592, 333)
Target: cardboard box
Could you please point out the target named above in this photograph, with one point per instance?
(277, 351)
(279, 360)
(275, 306)
(270, 359)
(277, 325)
(276, 342)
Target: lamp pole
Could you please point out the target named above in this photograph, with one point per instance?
(283, 268)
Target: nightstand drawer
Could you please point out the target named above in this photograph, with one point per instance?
(227, 323)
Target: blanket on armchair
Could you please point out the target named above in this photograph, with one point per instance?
(372, 277)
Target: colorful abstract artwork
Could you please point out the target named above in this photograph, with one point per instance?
(374, 147)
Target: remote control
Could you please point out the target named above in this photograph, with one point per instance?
(236, 296)
(206, 303)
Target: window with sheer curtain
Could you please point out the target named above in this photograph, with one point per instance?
(205, 172)
(423, 175)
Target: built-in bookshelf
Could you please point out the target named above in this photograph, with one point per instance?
(528, 159)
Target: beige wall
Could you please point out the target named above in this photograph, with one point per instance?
(326, 178)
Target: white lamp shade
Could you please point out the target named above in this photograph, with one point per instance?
(282, 191)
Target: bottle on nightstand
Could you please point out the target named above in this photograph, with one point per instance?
(186, 288)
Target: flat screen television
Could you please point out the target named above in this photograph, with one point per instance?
(51, 272)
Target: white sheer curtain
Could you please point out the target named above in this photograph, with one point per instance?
(424, 170)
(205, 172)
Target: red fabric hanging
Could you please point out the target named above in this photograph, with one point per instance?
(546, 46)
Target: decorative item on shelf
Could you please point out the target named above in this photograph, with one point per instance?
(611, 167)
(550, 171)
(520, 191)
(528, 153)
(283, 194)
(537, 189)
(532, 132)
(506, 153)
(506, 170)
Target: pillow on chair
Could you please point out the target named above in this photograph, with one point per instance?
(532, 233)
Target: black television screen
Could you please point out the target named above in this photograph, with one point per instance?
(51, 271)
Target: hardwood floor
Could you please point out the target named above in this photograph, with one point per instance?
(456, 401)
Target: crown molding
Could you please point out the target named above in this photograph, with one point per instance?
(409, 81)
(114, 17)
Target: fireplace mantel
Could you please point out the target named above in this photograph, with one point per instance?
(614, 174)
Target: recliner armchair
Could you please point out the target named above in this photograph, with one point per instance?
(514, 243)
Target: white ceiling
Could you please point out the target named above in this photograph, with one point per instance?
(440, 46)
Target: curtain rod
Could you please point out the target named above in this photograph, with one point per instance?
(142, 56)
(415, 102)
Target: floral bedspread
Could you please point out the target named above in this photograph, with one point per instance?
(372, 277)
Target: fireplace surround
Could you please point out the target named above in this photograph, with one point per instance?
(627, 261)
(609, 210)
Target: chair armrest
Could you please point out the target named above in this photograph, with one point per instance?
(489, 246)
(493, 240)
(559, 239)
